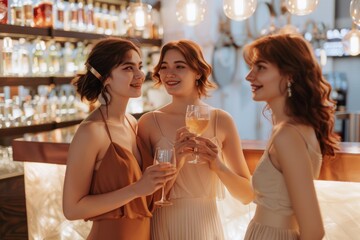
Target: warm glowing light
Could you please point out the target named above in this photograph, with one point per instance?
(355, 11)
(190, 12)
(301, 7)
(354, 44)
(351, 42)
(139, 15)
(139, 18)
(239, 9)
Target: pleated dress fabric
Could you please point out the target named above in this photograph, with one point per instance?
(118, 169)
(194, 214)
(274, 217)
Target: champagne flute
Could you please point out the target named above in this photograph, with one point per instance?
(164, 155)
(197, 120)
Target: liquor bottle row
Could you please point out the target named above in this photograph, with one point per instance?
(40, 58)
(101, 18)
(42, 105)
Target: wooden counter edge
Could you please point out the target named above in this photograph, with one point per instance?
(345, 166)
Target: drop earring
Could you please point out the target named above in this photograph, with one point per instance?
(289, 89)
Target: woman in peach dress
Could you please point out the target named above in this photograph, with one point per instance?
(104, 182)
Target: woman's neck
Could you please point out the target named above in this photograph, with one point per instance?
(115, 111)
(178, 105)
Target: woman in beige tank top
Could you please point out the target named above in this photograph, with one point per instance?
(285, 74)
(184, 73)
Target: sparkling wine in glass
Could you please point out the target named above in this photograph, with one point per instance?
(197, 120)
(164, 155)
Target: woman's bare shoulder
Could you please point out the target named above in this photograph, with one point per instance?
(90, 131)
(224, 118)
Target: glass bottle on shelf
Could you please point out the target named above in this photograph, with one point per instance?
(73, 15)
(113, 21)
(79, 58)
(105, 18)
(123, 23)
(28, 12)
(24, 58)
(89, 16)
(81, 16)
(54, 58)
(16, 13)
(4, 11)
(43, 16)
(157, 27)
(69, 65)
(7, 55)
(59, 14)
(39, 65)
(97, 18)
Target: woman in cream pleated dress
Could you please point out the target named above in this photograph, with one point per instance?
(104, 182)
(184, 73)
(285, 74)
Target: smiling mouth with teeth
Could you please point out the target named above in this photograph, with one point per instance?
(136, 85)
(172, 83)
(255, 87)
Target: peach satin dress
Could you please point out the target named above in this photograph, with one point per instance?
(118, 169)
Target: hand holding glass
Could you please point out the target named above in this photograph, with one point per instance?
(164, 155)
(197, 120)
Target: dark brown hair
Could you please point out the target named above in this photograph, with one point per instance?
(106, 55)
(310, 103)
(194, 58)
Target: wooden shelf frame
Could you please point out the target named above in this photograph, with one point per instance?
(63, 36)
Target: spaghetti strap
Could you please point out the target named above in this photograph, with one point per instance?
(161, 132)
(132, 127)
(216, 120)
(294, 127)
(106, 126)
(157, 124)
(302, 135)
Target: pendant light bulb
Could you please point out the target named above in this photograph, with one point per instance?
(239, 10)
(139, 15)
(301, 7)
(351, 42)
(355, 11)
(190, 12)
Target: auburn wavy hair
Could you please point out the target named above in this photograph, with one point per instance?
(310, 103)
(194, 58)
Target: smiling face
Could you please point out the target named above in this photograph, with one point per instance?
(127, 78)
(267, 83)
(176, 74)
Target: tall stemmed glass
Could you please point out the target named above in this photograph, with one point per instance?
(164, 155)
(197, 120)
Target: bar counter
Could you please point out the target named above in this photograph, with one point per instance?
(52, 147)
(44, 156)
